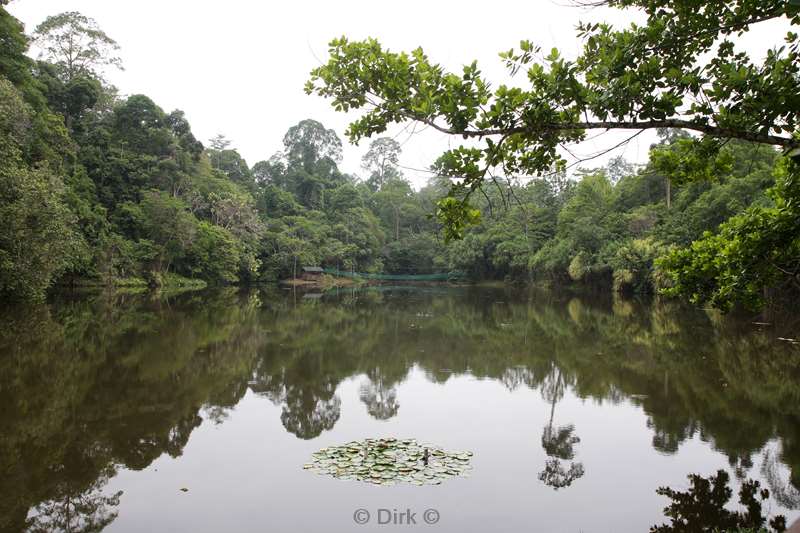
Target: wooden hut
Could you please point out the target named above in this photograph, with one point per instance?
(311, 273)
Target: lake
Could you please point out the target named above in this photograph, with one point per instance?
(197, 412)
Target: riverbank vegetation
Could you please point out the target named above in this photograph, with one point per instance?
(100, 189)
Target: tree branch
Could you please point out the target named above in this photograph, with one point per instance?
(716, 131)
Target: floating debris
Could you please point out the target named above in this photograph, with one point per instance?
(390, 461)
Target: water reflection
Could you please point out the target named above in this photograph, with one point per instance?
(89, 386)
(558, 442)
(86, 511)
(381, 401)
(556, 474)
(92, 385)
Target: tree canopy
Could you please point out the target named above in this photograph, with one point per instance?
(76, 45)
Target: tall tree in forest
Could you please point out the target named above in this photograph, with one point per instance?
(309, 142)
(381, 161)
(76, 45)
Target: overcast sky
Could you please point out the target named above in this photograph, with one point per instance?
(238, 67)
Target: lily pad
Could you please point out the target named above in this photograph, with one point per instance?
(387, 462)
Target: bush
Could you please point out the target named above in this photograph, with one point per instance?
(633, 264)
(579, 266)
(215, 254)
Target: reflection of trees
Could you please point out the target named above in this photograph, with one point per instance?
(137, 451)
(517, 376)
(306, 409)
(221, 402)
(121, 381)
(553, 387)
(308, 402)
(668, 439)
(93, 384)
(556, 475)
(738, 390)
(315, 346)
(307, 416)
(381, 401)
(741, 465)
(558, 442)
(704, 507)
(89, 511)
(379, 393)
(782, 490)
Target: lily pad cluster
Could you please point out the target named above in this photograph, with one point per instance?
(390, 461)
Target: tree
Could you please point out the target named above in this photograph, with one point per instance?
(71, 98)
(183, 131)
(269, 172)
(139, 125)
(309, 142)
(166, 222)
(381, 161)
(232, 165)
(393, 200)
(292, 242)
(362, 237)
(618, 168)
(215, 254)
(219, 142)
(76, 45)
(342, 198)
(276, 202)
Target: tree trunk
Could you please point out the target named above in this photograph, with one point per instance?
(669, 194)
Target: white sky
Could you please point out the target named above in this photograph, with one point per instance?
(238, 67)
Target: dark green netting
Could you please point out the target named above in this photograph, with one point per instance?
(442, 276)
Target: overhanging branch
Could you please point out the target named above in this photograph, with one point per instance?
(716, 131)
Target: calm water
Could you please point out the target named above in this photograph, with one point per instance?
(227, 394)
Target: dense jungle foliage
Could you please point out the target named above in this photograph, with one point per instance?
(101, 189)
